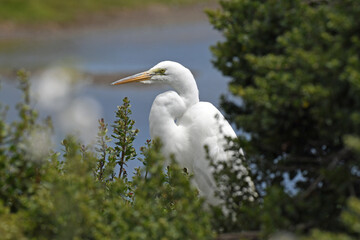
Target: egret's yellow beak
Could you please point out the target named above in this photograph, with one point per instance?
(134, 78)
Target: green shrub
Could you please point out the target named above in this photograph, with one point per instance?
(79, 195)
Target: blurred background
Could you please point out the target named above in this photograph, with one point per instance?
(74, 50)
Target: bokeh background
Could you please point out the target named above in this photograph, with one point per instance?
(75, 50)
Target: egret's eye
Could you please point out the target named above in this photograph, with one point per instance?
(160, 71)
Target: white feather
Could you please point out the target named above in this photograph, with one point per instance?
(185, 126)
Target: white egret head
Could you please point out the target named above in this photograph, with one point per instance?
(171, 73)
(166, 72)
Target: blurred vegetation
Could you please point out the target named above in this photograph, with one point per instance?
(79, 194)
(351, 219)
(44, 11)
(295, 71)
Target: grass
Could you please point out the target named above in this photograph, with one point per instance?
(62, 11)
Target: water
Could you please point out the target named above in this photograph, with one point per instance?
(113, 51)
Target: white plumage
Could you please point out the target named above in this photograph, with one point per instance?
(185, 125)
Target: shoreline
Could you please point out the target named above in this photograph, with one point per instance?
(130, 18)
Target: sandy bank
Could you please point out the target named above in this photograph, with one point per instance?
(152, 15)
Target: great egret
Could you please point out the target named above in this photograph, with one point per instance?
(185, 125)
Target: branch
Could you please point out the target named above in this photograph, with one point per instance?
(332, 165)
(248, 235)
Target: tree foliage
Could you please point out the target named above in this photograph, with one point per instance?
(79, 194)
(295, 65)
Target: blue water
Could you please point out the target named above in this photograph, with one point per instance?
(132, 50)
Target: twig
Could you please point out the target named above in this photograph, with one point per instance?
(248, 235)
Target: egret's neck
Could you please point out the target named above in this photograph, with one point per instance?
(162, 121)
(186, 87)
(162, 125)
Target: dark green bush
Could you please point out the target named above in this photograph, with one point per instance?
(295, 65)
